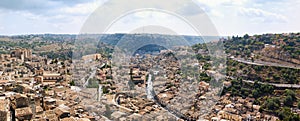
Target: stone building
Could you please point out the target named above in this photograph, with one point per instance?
(23, 54)
(4, 110)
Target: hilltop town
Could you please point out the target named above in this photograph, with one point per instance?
(185, 83)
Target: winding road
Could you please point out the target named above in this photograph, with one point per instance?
(263, 63)
(294, 86)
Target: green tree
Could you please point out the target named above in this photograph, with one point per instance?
(290, 93)
(295, 117)
(246, 36)
(72, 83)
(284, 113)
(255, 93)
(272, 104)
(288, 101)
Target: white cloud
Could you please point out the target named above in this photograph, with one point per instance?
(223, 2)
(30, 16)
(219, 8)
(231, 17)
(262, 15)
(82, 8)
(141, 19)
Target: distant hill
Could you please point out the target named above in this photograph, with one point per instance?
(113, 39)
(59, 45)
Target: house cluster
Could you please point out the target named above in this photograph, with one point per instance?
(238, 109)
(137, 105)
(167, 83)
(104, 75)
(138, 75)
(37, 88)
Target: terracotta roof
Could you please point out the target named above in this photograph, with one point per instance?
(83, 119)
(3, 105)
(38, 109)
(3, 81)
(23, 112)
(68, 119)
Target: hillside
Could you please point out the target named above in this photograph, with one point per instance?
(277, 48)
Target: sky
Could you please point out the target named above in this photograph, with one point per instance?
(230, 17)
